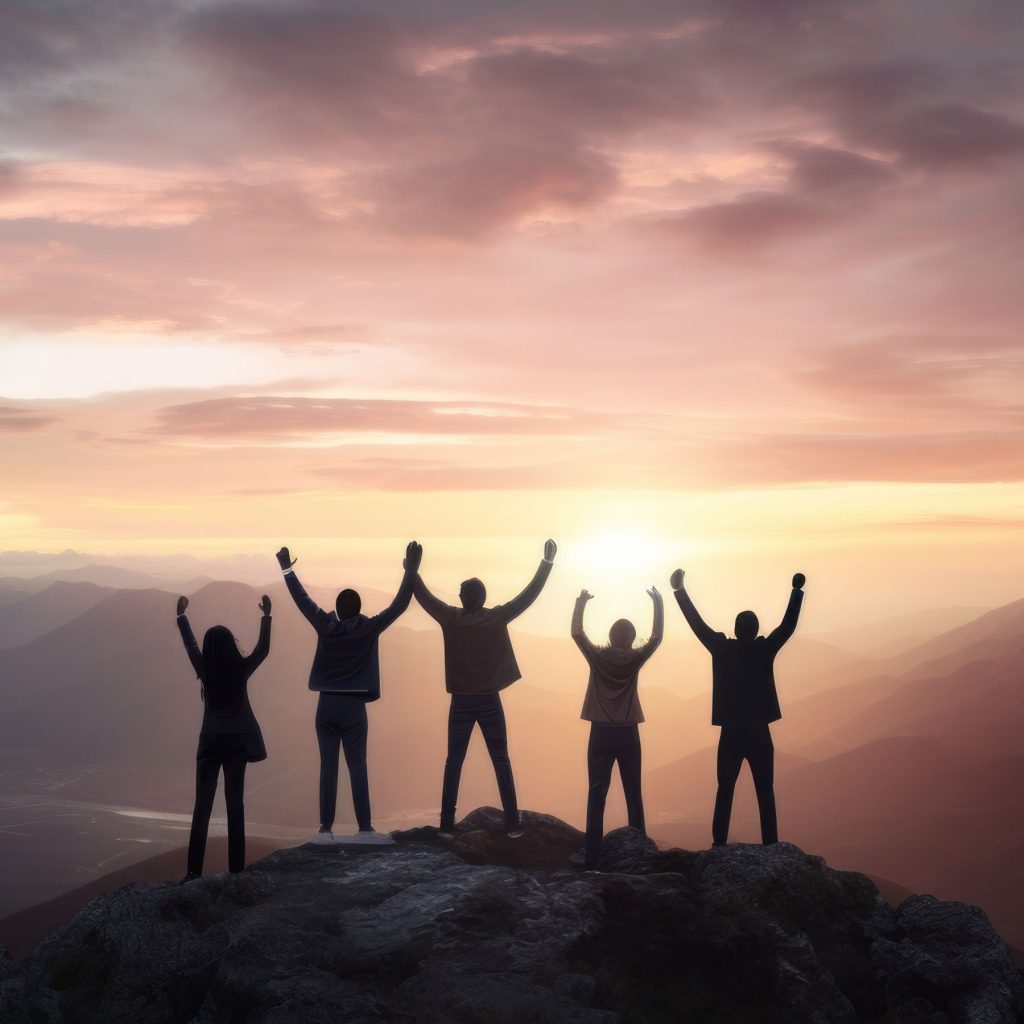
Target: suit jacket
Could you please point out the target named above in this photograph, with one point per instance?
(478, 655)
(232, 713)
(346, 658)
(743, 671)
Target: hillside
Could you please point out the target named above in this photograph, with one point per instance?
(492, 929)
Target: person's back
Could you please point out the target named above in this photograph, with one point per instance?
(346, 675)
(478, 663)
(612, 706)
(744, 702)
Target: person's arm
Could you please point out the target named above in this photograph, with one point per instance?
(787, 627)
(514, 608)
(576, 629)
(704, 633)
(262, 648)
(658, 627)
(433, 606)
(312, 611)
(411, 564)
(188, 638)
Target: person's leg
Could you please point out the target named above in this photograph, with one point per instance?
(492, 725)
(329, 741)
(207, 770)
(600, 761)
(354, 734)
(762, 766)
(730, 759)
(234, 798)
(460, 728)
(629, 771)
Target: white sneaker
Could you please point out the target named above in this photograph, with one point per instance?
(368, 838)
(323, 838)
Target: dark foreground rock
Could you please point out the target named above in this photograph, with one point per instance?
(483, 929)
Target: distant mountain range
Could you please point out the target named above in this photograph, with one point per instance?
(905, 765)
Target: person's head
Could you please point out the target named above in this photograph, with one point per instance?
(220, 651)
(746, 626)
(472, 594)
(348, 604)
(622, 633)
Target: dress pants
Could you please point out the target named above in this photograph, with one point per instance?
(227, 752)
(341, 723)
(753, 744)
(485, 710)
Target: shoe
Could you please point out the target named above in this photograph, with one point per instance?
(325, 837)
(446, 833)
(190, 877)
(367, 837)
(514, 833)
(577, 859)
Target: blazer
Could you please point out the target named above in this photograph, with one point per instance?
(478, 655)
(233, 715)
(346, 658)
(743, 671)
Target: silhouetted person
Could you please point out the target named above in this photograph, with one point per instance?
(346, 673)
(478, 663)
(230, 736)
(744, 703)
(612, 706)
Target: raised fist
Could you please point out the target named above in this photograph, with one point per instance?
(413, 557)
(284, 559)
(676, 580)
(182, 605)
(265, 604)
(654, 594)
(799, 580)
(586, 595)
(550, 547)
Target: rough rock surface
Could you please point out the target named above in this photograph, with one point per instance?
(483, 929)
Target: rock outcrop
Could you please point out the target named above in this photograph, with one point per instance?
(483, 928)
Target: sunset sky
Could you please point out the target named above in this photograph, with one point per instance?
(735, 285)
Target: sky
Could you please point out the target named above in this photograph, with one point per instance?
(731, 285)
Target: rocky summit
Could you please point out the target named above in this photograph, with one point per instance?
(484, 929)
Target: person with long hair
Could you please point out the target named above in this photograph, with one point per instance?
(612, 706)
(230, 736)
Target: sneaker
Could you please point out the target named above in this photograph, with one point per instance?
(369, 837)
(190, 877)
(325, 837)
(446, 833)
(515, 833)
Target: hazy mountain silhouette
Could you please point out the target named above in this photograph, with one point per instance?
(33, 614)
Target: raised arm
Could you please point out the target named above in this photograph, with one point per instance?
(514, 608)
(433, 606)
(188, 638)
(704, 633)
(312, 611)
(787, 627)
(411, 564)
(262, 648)
(658, 626)
(579, 635)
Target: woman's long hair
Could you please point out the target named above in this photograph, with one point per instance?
(223, 668)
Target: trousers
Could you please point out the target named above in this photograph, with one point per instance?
(610, 744)
(753, 744)
(227, 753)
(341, 723)
(485, 710)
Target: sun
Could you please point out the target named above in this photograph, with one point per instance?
(624, 555)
